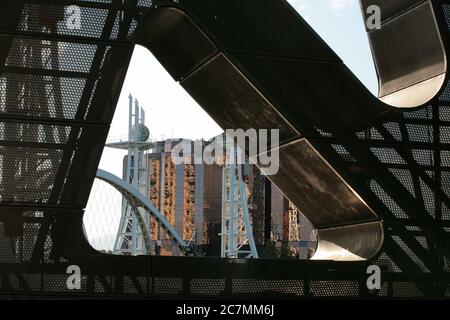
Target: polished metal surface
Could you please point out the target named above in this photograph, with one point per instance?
(326, 199)
(350, 243)
(309, 181)
(409, 52)
(233, 101)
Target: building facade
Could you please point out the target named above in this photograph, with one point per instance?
(190, 197)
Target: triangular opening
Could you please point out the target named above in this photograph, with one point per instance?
(188, 196)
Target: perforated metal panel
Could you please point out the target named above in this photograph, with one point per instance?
(28, 174)
(256, 286)
(207, 287)
(388, 200)
(406, 290)
(167, 286)
(385, 262)
(335, 288)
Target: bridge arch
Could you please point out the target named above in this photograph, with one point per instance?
(138, 201)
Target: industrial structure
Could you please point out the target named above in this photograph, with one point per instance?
(206, 204)
(370, 173)
(130, 236)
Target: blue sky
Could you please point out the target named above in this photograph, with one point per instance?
(338, 22)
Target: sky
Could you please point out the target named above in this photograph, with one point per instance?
(338, 22)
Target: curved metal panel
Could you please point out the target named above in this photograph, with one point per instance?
(350, 243)
(251, 90)
(236, 102)
(322, 195)
(408, 51)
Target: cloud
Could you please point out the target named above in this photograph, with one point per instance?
(339, 5)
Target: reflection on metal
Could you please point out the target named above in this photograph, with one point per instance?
(350, 243)
(326, 199)
(137, 200)
(237, 230)
(415, 95)
(225, 104)
(320, 192)
(412, 67)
